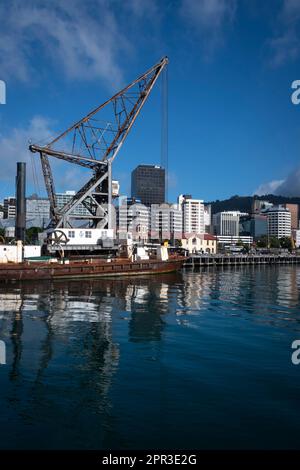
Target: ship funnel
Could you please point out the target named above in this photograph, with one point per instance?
(20, 202)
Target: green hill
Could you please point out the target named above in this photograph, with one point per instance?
(244, 203)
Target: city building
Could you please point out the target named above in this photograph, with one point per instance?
(133, 217)
(148, 184)
(200, 243)
(294, 210)
(64, 198)
(115, 188)
(296, 237)
(38, 209)
(9, 207)
(192, 214)
(254, 225)
(9, 231)
(207, 218)
(260, 205)
(279, 221)
(228, 240)
(176, 222)
(226, 223)
(166, 222)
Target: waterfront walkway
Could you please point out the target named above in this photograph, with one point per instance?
(195, 261)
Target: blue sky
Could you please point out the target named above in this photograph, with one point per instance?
(232, 126)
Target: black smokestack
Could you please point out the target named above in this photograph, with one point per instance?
(21, 201)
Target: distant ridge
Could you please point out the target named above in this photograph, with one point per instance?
(244, 203)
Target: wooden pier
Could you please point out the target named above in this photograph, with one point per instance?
(197, 261)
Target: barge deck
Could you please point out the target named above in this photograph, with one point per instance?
(86, 268)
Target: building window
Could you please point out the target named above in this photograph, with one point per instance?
(88, 234)
(71, 234)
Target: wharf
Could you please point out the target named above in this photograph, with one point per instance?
(196, 261)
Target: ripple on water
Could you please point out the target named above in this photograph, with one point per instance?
(129, 362)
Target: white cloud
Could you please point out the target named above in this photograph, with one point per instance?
(209, 18)
(14, 145)
(268, 188)
(289, 186)
(80, 39)
(14, 148)
(290, 11)
(140, 8)
(284, 45)
(284, 48)
(68, 176)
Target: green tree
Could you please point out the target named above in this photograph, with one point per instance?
(32, 234)
(245, 246)
(262, 242)
(286, 242)
(274, 242)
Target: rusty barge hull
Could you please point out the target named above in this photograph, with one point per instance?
(83, 269)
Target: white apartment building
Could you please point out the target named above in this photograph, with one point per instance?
(227, 240)
(9, 207)
(115, 188)
(64, 198)
(133, 217)
(279, 222)
(227, 223)
(207, 217)
(192, 214)
(38, 209)
(176, 223)
(259, 205)
(166, 222)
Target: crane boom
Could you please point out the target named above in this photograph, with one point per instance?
(94, 143)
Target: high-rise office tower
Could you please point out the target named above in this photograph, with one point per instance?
(227, 223)
(148, 184)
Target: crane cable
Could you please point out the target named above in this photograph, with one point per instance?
(164, 128)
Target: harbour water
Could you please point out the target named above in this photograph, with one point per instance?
(192, 360)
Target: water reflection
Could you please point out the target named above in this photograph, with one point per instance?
(268, 294)
(86, 309)
(66, 341)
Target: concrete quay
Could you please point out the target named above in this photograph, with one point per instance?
(195, 261)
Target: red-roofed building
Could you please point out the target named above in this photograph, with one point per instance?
(200, 243)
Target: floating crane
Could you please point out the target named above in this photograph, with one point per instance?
(94, 143)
